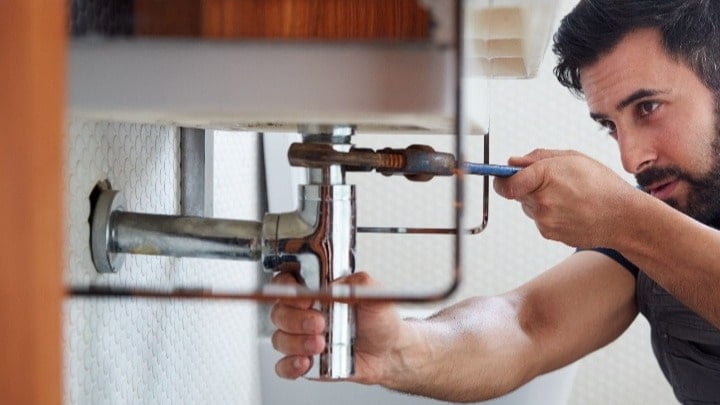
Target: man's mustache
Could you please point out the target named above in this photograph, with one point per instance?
(654, 175)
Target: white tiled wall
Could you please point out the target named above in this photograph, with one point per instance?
(129, 350)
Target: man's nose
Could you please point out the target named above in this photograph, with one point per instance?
(636, 150)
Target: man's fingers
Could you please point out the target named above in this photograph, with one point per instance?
(528, 208)
(292, 367)
(538, 154)
(289, 279)
(527, 180)
(306, 345)
(297, 320)
(521, 183)
(360, 278)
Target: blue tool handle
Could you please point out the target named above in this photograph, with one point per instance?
(490, 170)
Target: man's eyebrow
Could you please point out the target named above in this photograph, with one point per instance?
(635, 96)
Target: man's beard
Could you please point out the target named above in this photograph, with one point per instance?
(703, 199)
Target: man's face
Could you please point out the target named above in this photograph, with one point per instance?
(664, 119)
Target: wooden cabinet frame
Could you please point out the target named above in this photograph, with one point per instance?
(32, 114)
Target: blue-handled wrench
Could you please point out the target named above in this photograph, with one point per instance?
(490, 170)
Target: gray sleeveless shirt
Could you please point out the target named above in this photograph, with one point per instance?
(686, 345)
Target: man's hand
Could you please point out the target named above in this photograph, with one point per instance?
(572, 198)
(300, 335)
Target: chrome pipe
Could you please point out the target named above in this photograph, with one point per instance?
(114, 231)
(169, 235)
(337, 361)
(196, 171)
(318, 243)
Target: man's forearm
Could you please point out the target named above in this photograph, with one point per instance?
(471, 351)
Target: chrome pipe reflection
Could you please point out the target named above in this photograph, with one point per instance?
(318, 243)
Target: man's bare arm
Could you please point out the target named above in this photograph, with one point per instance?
(485, 347)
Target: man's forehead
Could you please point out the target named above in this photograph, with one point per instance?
(637, 64)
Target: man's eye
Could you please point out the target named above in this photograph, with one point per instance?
(608, 126)
(646, 108)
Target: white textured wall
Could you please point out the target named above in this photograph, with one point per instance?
(121, 351)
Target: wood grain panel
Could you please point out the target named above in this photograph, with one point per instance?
(32, 62)
(168, 18)
(284, 19)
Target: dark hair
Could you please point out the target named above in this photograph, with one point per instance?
(690, 31)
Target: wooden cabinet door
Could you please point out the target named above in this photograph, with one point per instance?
(32, 97)
(283, 19)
